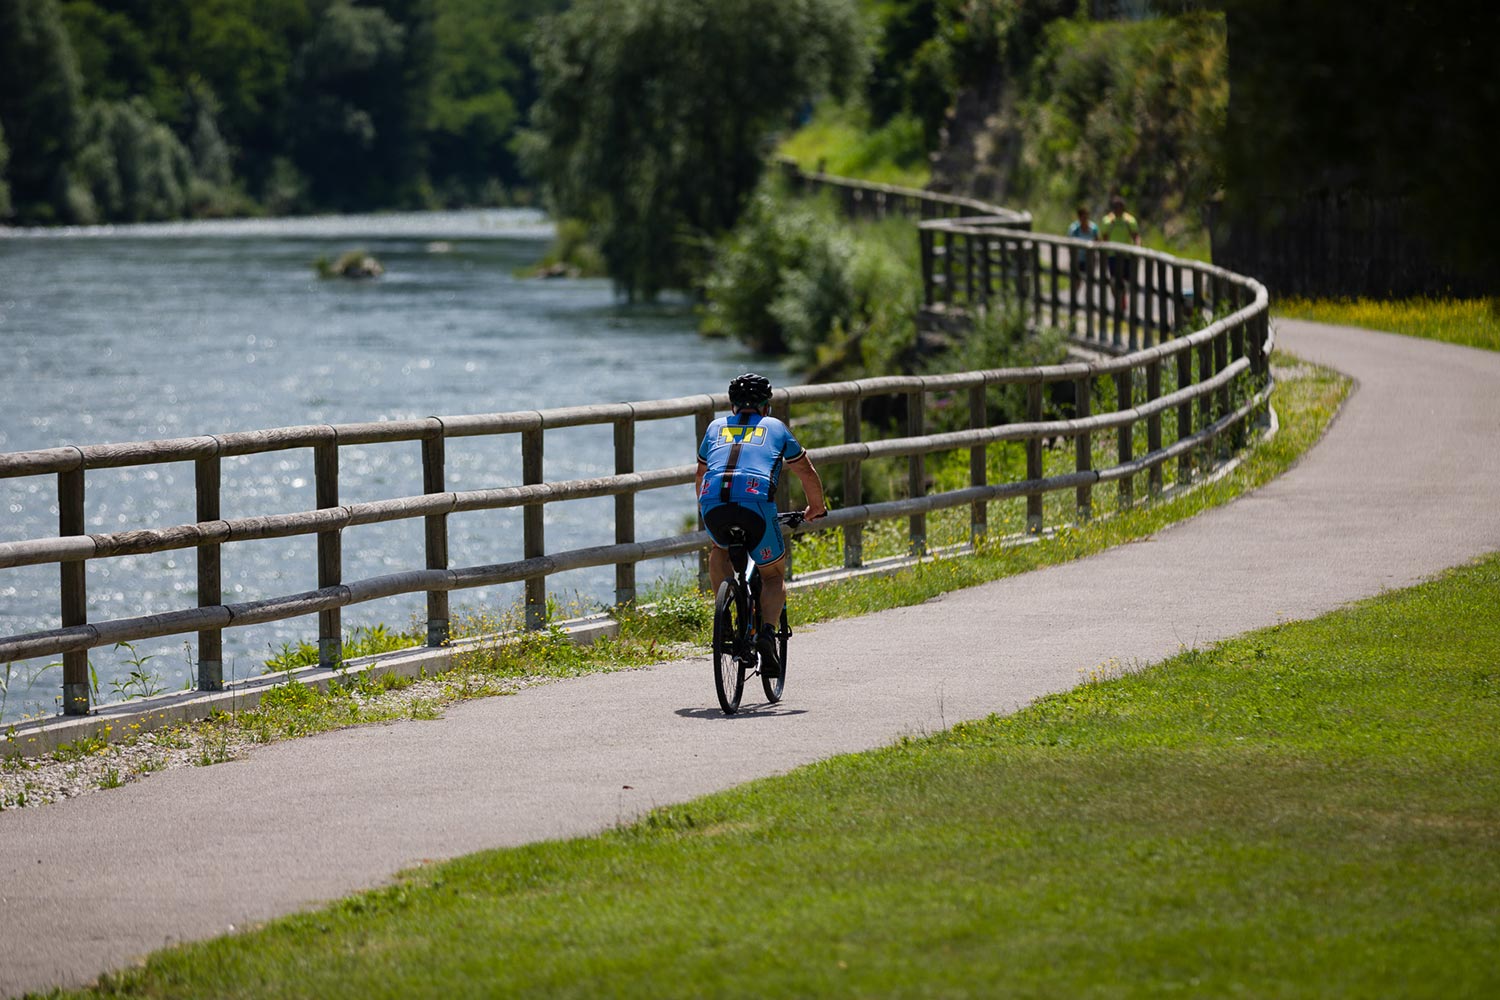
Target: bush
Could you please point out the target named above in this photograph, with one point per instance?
(131, 165)
(1138, 106)
(793, 279)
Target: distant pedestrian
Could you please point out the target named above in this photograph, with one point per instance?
(1083, 228)
(1121, 227)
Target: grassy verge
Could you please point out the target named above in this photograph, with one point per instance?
(841, 141)
(1310, 810)
(1470, 322)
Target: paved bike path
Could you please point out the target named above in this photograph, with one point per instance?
(1404, 484)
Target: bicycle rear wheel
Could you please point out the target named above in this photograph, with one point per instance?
(729, 670)
(773, 686)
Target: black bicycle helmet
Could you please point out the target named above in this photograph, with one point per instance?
(750, 390)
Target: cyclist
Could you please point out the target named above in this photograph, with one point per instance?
(739, 461)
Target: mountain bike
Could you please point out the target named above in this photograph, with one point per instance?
(737, 623)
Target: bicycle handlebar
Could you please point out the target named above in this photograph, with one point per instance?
(791, 518)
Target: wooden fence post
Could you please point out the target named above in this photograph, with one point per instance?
(916, 469)
(978, 469)
(1205, 404)
(1117, 289)
(330, 550)
(1091, 328)
(948, 269)
(534, 542)
(74, 594)
(1260, 329)
(924, 237)
(435, 529)
(1221, 362)
(854, 533)
(1126, 450)
(1153, 426)
(1179, 304)
(624, 508)
(1165, 306)
(1083, 445)
(701, 420)
(1052, 273)
(1184, 416)
(207, 483)
(1137, 299)
(984, 270)
(967, 239)
(1034, 458)
(1075, 282)
(1034, 263)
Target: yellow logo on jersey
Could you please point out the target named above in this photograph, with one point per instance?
(745, 435)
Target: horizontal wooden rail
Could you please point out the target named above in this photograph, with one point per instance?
(1204, 327)
(84, 637)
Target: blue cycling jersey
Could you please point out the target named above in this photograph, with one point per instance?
(744, 452)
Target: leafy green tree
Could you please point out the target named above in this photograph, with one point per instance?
(241, 51)
(653, 115)
(114, 55)
(483, 84)
(347, 79)
(362, 85)
(133, 166)
(40, 103)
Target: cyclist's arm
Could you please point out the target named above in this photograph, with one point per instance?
(812, 484)
(698, 477)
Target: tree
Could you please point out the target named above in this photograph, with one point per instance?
(363, 86)
(39, 103)
(483, 85)
(347, 80)
(132, 165)
(5, 208)
(653, 116)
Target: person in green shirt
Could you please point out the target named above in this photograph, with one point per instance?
(1121, 227)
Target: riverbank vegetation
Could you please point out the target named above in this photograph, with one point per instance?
(651, 118)
(114, 110)
(1470, 322)
(1333, 796)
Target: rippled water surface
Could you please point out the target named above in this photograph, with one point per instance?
(139, 333)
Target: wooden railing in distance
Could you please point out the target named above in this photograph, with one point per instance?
(1111, 297)
(1222, 383)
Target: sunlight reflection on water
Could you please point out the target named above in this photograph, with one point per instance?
(120, 334)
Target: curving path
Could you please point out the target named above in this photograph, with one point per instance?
(1404, 484)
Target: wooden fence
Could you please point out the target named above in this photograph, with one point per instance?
(1222, 382)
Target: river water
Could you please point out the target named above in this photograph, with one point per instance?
(147, 332)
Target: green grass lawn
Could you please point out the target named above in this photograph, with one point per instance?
(1310, 810)
(1470, 322)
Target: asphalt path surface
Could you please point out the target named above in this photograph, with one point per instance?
(1405, 483)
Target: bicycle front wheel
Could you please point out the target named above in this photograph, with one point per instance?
(729, 670)
(774, 686)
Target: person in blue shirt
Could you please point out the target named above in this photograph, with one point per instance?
(739, 462)
(1083, 228)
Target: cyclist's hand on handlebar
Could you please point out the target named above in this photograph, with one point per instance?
(812, 512)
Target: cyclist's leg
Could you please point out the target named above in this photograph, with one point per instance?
(770, 555)
(719, 567)
(772, 590)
